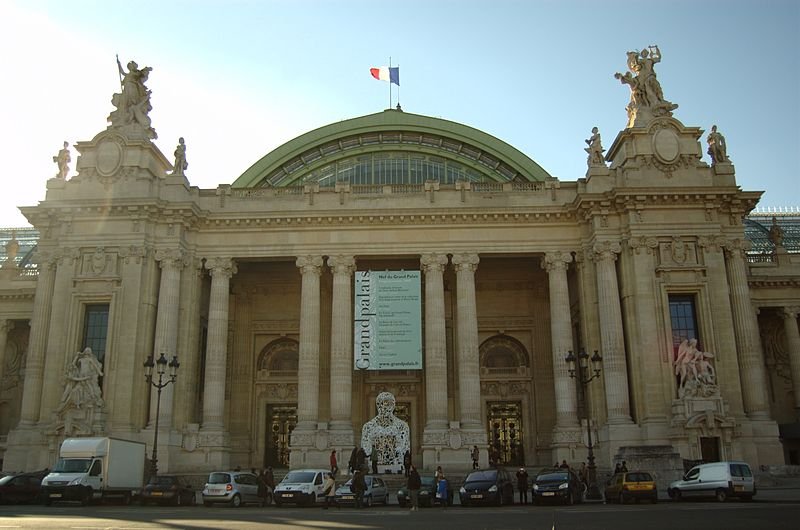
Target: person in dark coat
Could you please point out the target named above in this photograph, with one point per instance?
(406, 462)
(334, 463)
(351, 464)
(414, 485)
(361, 460)
(522, 485)
(359, 486)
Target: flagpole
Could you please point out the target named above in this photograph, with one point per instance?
(390, 81)
(398, 90)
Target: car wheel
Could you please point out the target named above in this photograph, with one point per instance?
(721, 495)
(571, 498)
(236, 501)
(674, 494)
(401, 502)
(87, 497)
(192, 499)
(207, 504)
(747, 498)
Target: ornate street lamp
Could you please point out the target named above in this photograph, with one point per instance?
(161, 367)
(579, 370)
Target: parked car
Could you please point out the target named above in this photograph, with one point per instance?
(167, 489)
(487, 486)
(720, 480)
(22, 488)
(427, 493)
(301, 486)
(559, 486)
(377, 492)
(232, 487)
(631, 485)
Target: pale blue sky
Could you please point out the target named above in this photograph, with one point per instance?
(238, 78)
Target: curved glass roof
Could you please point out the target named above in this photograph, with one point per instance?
(391, 147)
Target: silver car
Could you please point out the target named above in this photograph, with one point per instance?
(377, 492)
(232, 487)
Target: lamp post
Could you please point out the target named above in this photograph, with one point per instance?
(161, 367)
(579, 370)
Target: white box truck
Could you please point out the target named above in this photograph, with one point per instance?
(95, 468)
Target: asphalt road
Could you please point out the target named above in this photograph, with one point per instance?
(667, 516)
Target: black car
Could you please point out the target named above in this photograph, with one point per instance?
(167, 489)
(22, 488)
(487, 486)
(427, 494)
(557, 486)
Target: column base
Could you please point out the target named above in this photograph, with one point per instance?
(565, 441)
(451, 448)
(311, 445)
(26, 450)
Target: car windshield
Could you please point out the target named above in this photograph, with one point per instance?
(482, 476)
(428, 481)
(72, 465)
(299, 476)
(639, 477)
(162, 481)
(219, 478)
(553, 477)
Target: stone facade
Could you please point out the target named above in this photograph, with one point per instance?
(251, 286)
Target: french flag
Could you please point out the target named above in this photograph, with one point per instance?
(386, 73)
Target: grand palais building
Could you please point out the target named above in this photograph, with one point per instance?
(475, 272)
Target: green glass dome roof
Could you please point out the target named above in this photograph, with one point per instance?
(391, 147)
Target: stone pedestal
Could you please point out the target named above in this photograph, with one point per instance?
(452, 448)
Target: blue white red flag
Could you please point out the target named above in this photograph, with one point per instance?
(386, 73)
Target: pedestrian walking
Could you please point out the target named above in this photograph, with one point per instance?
(359, 486)
(373, 459)
(334, 463)
(476, 455)
(414, 484)
(406, 462)
(522, 485)
(352, 463)
(329, 490)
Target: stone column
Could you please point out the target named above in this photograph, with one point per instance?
(745, 326)
(566, 403)
(793, 345)
(308, 362)
(5, 327)
(166, 339)
(341, 390)
(615, 371)
(469, 387)
(433, 266)
(221, 270)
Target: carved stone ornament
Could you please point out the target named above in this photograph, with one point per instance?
(678, 250)
(81, 388)
(647, 99)
(696, 374)
(132, 103)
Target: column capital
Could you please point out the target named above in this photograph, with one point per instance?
(711, 243)
(433, 262)
(790, 311)
(637, 243)
(736, 248)
(46, 259)
(606, 250)
(556, 261)
(309, 264)
(173, 257)
(221, 267)
(342, 265)
(466, 262)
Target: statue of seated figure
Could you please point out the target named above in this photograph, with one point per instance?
(387, 434)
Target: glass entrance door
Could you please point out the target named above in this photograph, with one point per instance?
(505, 432)
(281, 420)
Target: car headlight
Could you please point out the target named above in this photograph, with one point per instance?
(563, 486)
(493, 488)
(75, 481)
(462, 490)
(535, 487)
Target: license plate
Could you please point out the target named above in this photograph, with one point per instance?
(638, 487)
(548, 494)
(476, 496)
(156, 493)
(285, 495)
(738, 488)
(348, 497)
(55, 495)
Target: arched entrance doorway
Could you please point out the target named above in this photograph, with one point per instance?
(276, 382)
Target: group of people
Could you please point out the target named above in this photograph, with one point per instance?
(414, 484)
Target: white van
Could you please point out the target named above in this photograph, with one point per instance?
(301, 486)
(720, 480)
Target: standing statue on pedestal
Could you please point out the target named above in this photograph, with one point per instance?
(386, 434)
(647, 98)
(717, 149)
(180, 158)
(776, 233)
(82, 388)
(63, 159)
(595, 150)
(133, 102)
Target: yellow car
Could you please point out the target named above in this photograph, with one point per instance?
(631, 485)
